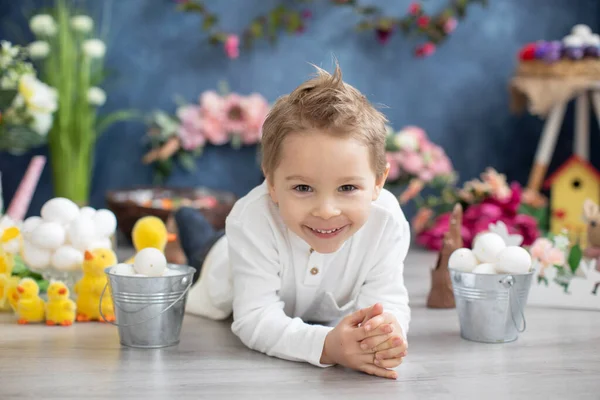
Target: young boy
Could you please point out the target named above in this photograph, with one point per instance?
(320, 240)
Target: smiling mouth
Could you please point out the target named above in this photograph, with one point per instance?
(326, 233)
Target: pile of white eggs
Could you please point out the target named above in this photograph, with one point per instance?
(491, 255)
(148, 262)
(60, 236)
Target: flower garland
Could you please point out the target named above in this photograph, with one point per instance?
(216, 119)
(434, 29)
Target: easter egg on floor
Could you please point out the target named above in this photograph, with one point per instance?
(150, 262)
(462, 259)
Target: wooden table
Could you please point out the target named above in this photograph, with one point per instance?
(558, 357)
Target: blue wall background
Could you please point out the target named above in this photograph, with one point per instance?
(459, 95)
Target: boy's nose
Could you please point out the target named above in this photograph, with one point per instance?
(326, 210)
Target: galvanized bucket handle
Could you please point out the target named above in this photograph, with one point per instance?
(149, 319)
(509, 282)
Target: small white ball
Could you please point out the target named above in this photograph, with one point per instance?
(150, 262)
(514, 260)
(488, 246)
(67, 258)
(82, 232)
(48, 235)
(59, 210)
(106, 223)
(34, 257)
(485, 268)
(123, 269)
(581, 30)
(462, 259)
(100, 244)
(87, 212)
(29, 226)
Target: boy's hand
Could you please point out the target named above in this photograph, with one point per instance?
(342, 344)
(389, 347)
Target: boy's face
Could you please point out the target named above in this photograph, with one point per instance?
(324, 186)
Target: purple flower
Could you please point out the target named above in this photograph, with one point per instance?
(592, 51)
(574, 53)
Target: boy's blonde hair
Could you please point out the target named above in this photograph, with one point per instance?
(328, 104)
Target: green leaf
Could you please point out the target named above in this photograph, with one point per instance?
(236, 142)
(368, 10)
(209, 22)
(364, 26)
(294, 22)
(187, 161)
(575, 256)
(217, 38)
(124, 115)
(256, 29)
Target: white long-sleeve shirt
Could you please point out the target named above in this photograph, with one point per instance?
(275, 284)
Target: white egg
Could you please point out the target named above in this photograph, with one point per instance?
(29, 226)
(34, 257)
(87, 212)
(573, 41)
(59, 210)
(48, 235)
(488, 246)
(82, 233)
(592, 40)
(485, 268)
(100, 244)
(150, 262)
(67, 258)
(514, 260)
(123, 269)
(462, 259)
(106, 223)
(581, 30)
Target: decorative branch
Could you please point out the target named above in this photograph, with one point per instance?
(434, 29)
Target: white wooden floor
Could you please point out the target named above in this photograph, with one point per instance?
(558, 357)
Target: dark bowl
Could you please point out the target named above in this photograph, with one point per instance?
(131, 204)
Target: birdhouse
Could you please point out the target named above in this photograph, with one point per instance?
(575, 181)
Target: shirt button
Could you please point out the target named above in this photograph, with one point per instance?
(314, 270)
(311, 251)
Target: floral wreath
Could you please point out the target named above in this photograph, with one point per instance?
(434, 29)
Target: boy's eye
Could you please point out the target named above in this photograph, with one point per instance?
(303, 188)
(347, 188)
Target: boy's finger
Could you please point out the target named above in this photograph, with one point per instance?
(374, 323)
(389, 363)
(375, 309)
(373, 369)
(356, 318)
(394, 352)
(394, 341)
(378, 343)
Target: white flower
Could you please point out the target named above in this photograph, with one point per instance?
(43, 24)
(96, 96)
(38, 49)
(41, 101)
(7, 53)
(42, 123)
(500, 229)
(82, 23)
(562, 241)
(94, 48)
(406, 142)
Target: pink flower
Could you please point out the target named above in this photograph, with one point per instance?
(555, 257)
(511, 203)
(416, 132)
(383, 35)
(190, 130)
(256, 108)
(212, 104)
(526, 226)
(411, 162)
(232, 46)
(414, 8)
(426, 175)
(450, 25)
(539, 248)
(423, 21)
(425, 50)
(433, 237)
(214, 131)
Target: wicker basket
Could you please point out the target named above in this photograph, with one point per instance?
(131, 204)
(588, 68)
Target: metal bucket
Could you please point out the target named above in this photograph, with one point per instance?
(149, 310)
(490, 307)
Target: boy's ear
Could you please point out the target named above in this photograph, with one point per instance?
(272, 193)
(380, 181)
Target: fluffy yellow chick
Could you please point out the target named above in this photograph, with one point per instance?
(90, 286)
(150, 231)
(30, 307)
(60, 309)
(9, 295)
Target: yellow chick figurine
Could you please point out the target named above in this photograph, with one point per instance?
(150, 231)
(30, 307)
(9, 296)
(60, 309)
(90, 286)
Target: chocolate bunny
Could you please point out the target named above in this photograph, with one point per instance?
(591, 214)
